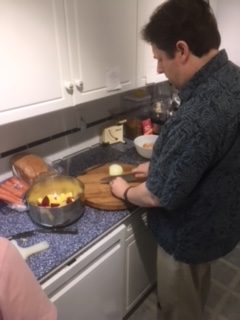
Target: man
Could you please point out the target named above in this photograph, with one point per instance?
(193, 178)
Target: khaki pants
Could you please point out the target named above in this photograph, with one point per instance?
(182, 288)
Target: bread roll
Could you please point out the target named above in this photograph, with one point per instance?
(29, 167)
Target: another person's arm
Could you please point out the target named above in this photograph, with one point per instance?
(21, 296)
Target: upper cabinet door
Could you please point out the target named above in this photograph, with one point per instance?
(146, 65)
(33, 58)
(102, 45)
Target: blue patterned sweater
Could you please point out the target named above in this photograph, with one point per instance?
(195, 168)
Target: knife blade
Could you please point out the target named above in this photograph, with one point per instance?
(129, 177)
(29, 233)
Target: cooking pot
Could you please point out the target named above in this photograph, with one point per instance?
(56, 216)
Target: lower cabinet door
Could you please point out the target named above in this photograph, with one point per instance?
(96, 291)
(141, 251)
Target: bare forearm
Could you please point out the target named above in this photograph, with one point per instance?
(141, 197)
(138, 195)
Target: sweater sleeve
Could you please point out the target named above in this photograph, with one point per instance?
(21, 296)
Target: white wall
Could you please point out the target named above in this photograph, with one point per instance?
(213, 4)
(228, 17)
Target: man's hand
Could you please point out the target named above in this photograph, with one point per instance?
(118, 187)
(142, 170)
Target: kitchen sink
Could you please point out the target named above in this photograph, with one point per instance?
(74, 165)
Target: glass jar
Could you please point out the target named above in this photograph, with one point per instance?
(158, 117)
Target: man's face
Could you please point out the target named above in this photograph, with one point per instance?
(166, 65)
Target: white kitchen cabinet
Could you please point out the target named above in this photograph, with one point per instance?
(110, 278)
(33, 58)
(146, 64)
(59, 53)
(92, 287)
(141, 251)
(102, 39)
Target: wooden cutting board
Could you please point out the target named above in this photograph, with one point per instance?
(98, 195)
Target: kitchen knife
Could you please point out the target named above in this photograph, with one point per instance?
(129, 177)
(29, 233)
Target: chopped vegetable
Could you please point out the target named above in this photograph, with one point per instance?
(56, 200)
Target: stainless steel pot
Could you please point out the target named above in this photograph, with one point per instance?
(56, 216)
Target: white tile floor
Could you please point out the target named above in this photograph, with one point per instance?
(224, 298)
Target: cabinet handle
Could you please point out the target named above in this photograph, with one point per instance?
(79, 85)
(68, 85)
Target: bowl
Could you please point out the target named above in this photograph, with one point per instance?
(144, 145)
(52, 215)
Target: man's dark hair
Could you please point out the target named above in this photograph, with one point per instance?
(189, 20)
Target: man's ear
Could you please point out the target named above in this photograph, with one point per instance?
(182, 51)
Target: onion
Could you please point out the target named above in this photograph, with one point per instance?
(115, 170)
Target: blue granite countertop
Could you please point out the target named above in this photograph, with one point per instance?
(92, 226)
